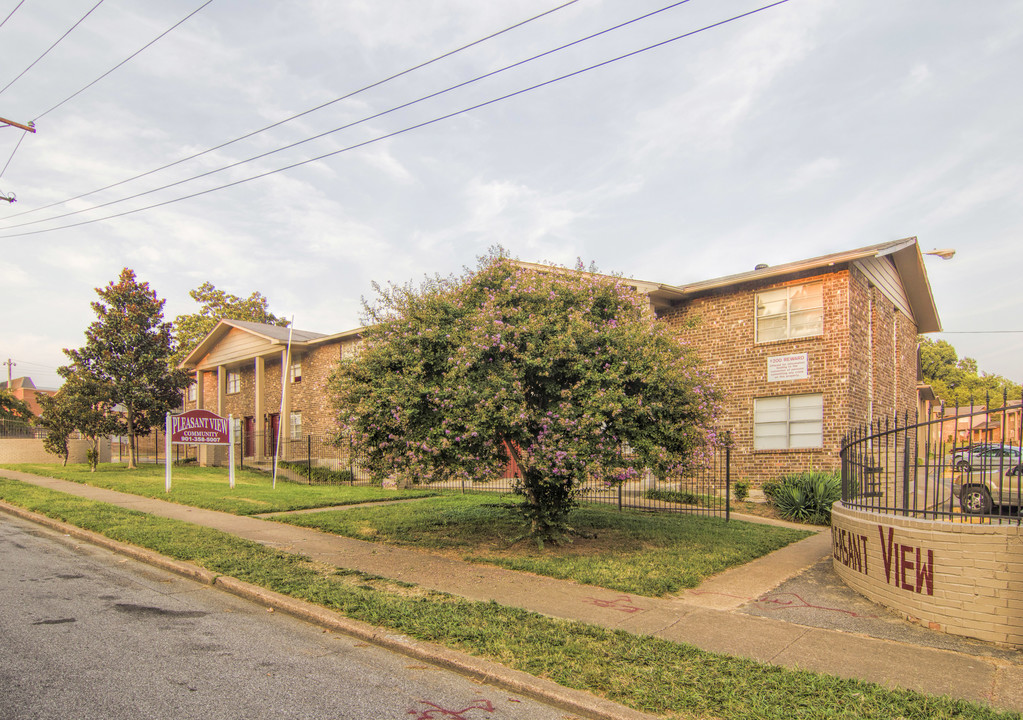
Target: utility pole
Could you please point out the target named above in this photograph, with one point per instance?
(10, 366)
(30, 127)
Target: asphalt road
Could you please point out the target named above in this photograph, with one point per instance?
(86, 634)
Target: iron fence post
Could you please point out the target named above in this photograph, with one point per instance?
(728, 480)
(309, 456)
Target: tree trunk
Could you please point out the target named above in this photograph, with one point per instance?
(132, 460)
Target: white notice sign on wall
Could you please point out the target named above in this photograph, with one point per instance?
(788, 367)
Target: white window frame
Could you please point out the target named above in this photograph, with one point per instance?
(777, 304)
(234, 382)
(295, 373)
(789, 422)
(192, 392)
(295, 425)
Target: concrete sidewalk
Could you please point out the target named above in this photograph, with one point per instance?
(718, 616)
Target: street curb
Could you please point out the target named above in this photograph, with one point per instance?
(179, 567)
(487, 671)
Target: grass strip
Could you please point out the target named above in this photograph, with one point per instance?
(208, 488)
(653, 675)
(635, 552)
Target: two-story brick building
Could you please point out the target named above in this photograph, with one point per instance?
(238, 370)
(801, 352)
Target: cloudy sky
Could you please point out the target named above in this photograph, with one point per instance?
(810, 127)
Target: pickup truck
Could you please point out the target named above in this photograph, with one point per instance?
(979, 491)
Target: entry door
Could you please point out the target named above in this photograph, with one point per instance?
(249, 429)
(272, 430)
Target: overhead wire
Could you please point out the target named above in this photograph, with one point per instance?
(410, 128)
(126, 60)
(353, 123)
(346, 96)
(21, 136)
(12, 13)
(58, 41)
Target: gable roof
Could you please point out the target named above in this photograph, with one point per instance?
(275, 339)
(904, 255)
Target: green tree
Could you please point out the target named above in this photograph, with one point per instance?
(566, 372)
(11, 408)
(82, 404)
(217, 305)
(128, 349)
(959, 381)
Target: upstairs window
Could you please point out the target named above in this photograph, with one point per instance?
(234, 382)
(791, 312)
(296, 371)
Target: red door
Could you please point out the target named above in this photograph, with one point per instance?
(273, 427)
(249, 429)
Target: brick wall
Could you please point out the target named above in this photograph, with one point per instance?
(29, 450)
(867, 349)
(959, 578)
(310, 396)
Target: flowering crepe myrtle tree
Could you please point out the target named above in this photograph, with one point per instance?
(566, 372)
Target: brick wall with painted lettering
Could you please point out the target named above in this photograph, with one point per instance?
(960, 578)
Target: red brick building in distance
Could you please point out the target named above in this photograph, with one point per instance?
(801, 352)
(25, 390)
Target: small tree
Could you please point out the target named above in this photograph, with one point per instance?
(128, 350)
(217, 305)
(566, 372)
(83, 404)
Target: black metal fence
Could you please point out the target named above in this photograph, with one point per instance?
(18, 430)
(962, 465)
(319, 459)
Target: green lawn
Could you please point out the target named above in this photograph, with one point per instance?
(653, 675)
(208, 487)
(643, 553)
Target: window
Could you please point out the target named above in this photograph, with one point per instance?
(296, 426)
(237, 430)
(191, 393)
(790, 312)
(234, 382)
(788, 422)
(296, 372)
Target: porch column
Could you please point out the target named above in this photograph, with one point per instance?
(221, 389)
(259, 414)
(200, 386)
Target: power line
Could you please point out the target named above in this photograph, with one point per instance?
(21, 136)
(299, 115)
(12, 13)
(351, 124)
(410, 128)
(127, 59)
(51, 47)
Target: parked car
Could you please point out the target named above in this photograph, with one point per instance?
(979, 491)
(986, 456)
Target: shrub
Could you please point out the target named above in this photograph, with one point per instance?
(682, 497)
(320, 475)
(741, 490)
(806, 497)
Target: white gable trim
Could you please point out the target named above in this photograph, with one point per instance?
(882, 274)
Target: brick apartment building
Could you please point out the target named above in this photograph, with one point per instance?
(802, 352)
